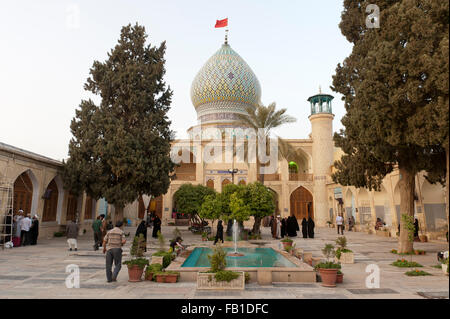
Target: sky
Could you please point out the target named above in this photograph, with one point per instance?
(48, 47)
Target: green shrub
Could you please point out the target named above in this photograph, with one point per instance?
(167, 257)
(286, 240)
(217, 259)
(405, 264)
(226, 275)
(328, 265)
(58, 234)
(138, 246)
(228, 238)
(417, 273)
(153, 268)
(141, 262)
(247, 277)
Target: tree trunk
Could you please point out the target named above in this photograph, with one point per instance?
(257, 226)
(406, 187)
(446, 184)
(118, 214)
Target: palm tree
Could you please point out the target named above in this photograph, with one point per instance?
(265, 118)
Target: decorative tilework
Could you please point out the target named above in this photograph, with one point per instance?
(226, 77)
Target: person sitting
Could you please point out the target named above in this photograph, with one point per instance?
(379, 224)
(177, 246)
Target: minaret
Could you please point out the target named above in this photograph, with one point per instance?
(322, 152)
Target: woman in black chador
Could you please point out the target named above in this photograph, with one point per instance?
(142, 229)
(310, 228)
(156, 226)
(34, 230)
(283, 227)
(219, 233)
(292, 226)
(305, 228)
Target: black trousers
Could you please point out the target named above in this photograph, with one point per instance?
(113, 254)
(97, 239)
(341, 227)
(24, 237)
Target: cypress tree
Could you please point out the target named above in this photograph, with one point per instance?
(120, 148)
(392, 84)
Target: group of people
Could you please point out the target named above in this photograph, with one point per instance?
(281, 227)
(25, 229)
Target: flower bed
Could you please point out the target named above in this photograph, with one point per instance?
(405, 264)
(417, 272)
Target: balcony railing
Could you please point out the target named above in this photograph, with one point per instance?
(300, 177)
(184, 177)
(271, 177)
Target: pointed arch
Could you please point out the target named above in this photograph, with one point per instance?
(301, 203)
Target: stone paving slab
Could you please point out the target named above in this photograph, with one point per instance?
(39, 271)
(372, 291)
(434, 294)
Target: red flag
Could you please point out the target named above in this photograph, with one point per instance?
(221, 23)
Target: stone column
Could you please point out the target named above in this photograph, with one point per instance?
(322, 149)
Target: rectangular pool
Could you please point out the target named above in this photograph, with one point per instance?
(253, 257)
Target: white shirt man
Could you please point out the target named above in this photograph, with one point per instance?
(25, 223)
(340, 224)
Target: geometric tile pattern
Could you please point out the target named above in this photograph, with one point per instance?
(225, 77)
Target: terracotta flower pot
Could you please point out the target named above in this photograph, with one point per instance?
(339, 278)
(135, 273)
(328, 277)
(149, 276)
(416, 252)
(423, 238)
(287, 244)
(161, 278)
(170, 278)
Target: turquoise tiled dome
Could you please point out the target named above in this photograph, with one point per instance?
(225, 84)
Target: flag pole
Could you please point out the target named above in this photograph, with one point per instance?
(226, 35)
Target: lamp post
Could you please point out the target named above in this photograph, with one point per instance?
(232, 171)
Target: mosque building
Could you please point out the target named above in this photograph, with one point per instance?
(222, 89)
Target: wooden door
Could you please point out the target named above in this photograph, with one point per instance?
(50, 202)
(23, 194)
(302, 204)
(88, 208)
(72, 203)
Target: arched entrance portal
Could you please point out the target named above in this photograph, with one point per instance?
(50, 202)
(156, 206)
(72, 203)
(302, 203)
(23, 193)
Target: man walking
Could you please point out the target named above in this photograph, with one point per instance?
(340, 224)
(97, 227)
(72, 235)
(25, 224)
(112, 246)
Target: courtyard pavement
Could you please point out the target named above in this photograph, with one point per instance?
(40, 271)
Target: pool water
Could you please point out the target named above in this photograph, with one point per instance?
(253, 257)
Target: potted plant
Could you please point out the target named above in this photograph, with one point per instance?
(172, 276)
(339, 277)
(204, 236)
(152, 269)
(217, 277)
(343, 255)
(328, 270)
(137, 263)
(287, 242)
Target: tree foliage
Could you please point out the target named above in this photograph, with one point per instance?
(189, 198)
(392, 83)
(120, 148)
(253, 199)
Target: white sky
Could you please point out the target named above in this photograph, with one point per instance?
(48, 47)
